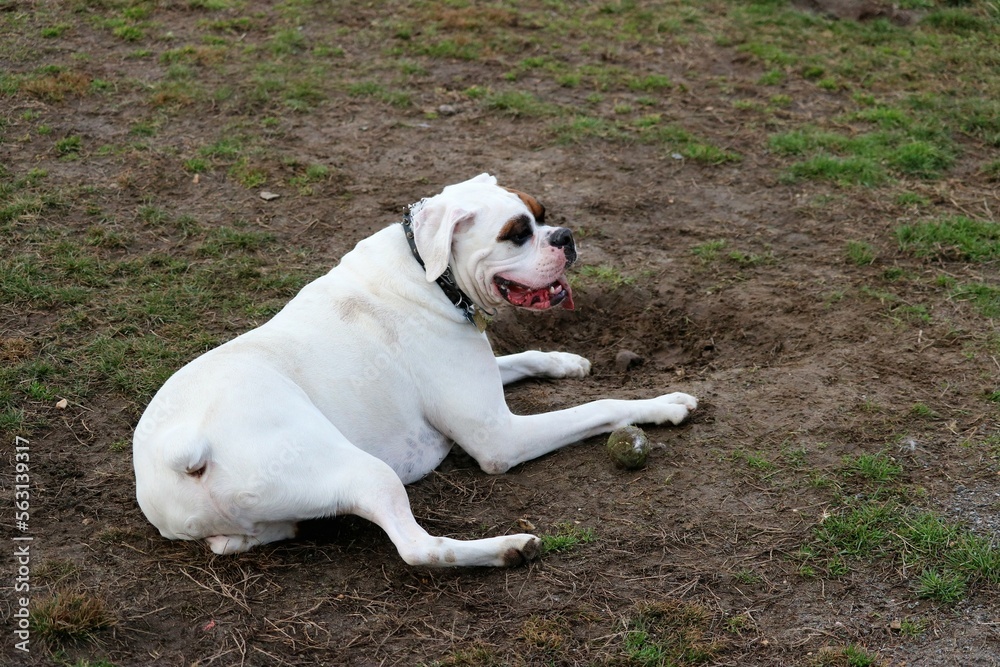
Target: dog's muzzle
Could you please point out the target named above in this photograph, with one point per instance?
(557, 293)
(563, 238)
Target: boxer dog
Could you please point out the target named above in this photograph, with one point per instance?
(366, 378)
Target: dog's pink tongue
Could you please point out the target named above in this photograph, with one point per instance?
(542, 298)
(568, 301)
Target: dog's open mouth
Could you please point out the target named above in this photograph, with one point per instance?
(536, 298)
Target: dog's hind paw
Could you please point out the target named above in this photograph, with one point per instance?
(230, 544)
(529, 551)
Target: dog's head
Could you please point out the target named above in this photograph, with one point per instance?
(497, 244)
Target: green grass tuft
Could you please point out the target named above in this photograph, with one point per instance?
(649, 129)
(606, 275)
(898, 146)
(670, 633)
(860, 253)
(567, 537)
(941, 586)
(950, 556)
(517, 103)
(851, 170)
(879, 468)
(957, 20)
(983, 297)
(70, 616)
(957, 238)
(709, 250)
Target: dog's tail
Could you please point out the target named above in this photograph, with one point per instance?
(189, 455)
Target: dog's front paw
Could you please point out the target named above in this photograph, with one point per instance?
(675, 407)
(687, 400)
(566, 365)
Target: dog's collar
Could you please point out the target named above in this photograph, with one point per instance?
(446, 281)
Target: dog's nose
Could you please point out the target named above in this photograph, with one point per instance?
(563, 238)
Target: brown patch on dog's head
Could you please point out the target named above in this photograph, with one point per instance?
(533, 205)
(517, 230)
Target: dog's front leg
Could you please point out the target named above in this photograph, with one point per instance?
(499, 440)
(514, 367)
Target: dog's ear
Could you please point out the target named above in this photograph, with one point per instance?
(481, 179)
(533, 204)
(434, 226)
(484, 178)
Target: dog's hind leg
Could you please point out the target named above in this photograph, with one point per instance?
(318, 473)
(381, 498)
(514, 367)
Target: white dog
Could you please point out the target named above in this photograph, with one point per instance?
(365, 379)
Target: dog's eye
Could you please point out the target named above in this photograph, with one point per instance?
(518, 231)
(521, 237)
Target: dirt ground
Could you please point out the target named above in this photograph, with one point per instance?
(796, 359)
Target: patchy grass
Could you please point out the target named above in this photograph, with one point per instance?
(958, 238)
(860, 253)
(750, 259)
(567, 536)
(758, 462)
(70, 616)
(516, 103)
(940, 586)
(983, 297)
(650, 129)
(850, 655)
(879, 468)
(671, 633)
(606, 275)
(897, 149)
(114, 317)
(949, 557)
(374, 90)
(709, 250)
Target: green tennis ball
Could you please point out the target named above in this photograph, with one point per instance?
(628, 447)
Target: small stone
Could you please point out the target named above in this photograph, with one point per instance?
(628, 447)
(268, 196)
(447, 110)
(626, 359)
(62, 404)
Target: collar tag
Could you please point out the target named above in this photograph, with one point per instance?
(480, 319)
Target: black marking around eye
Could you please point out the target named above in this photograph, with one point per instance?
(517, 230)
